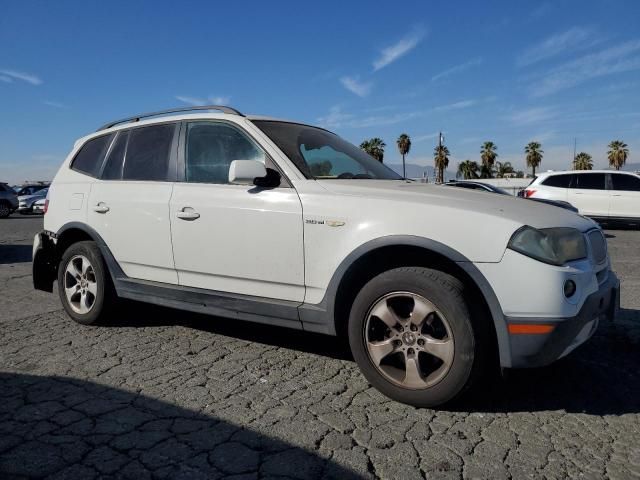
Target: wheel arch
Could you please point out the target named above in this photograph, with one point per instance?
(381, 254)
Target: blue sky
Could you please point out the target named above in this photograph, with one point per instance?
(506, 71)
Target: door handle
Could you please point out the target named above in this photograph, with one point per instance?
(188, 213)
(101, 208)
(616, 194)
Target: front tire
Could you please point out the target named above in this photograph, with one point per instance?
(412, 336)
(84, 284)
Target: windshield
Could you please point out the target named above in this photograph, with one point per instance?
(321, 154)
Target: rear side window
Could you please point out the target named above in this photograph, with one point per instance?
(148, 152)
(89, 158)
(590, 181)
(559, 181)
(113, 166)
(621, 181)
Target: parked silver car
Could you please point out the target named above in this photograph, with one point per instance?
(26, 202)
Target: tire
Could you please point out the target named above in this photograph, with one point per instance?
(87, 297)
(5, 210)
(430, 355)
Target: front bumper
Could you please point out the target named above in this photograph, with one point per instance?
(539, 349)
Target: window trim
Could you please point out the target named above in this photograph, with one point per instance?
(75, 157)
(181, 176)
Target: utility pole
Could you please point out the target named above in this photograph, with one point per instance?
(573, 165)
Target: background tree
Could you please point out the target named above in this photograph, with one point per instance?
(441, 160)
(617, 154)
(374, 147)
(503, 168)
(534, 155)
(519, 174)
(404, 145)
(488, 155)
(468, 170)
(583, 161)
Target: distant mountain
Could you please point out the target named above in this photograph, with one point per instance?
(418, 171)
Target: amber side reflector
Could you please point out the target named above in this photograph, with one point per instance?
(529, 328)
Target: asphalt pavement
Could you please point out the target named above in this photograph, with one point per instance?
(160, 393)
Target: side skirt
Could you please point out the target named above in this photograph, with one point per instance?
(222, 304)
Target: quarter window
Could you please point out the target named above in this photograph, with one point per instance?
(148, 152)
(622, 181)
(559, 181)
(590, 181)
(113, 166)
(89, 158)
(210, 149)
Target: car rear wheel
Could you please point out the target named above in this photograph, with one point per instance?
(5, 211)
(84, 284)
(411, 334)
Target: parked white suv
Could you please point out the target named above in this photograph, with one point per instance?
(251, 218)
(604, 195)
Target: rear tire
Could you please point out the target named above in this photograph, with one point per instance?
(5, 210)
(84, 284)
(412, 336)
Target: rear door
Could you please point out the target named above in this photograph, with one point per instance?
(237, 239)
(625, 195)
(129, 205)
(588, 193)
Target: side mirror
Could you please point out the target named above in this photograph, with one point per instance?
(244, 172)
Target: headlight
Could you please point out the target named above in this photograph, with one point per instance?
(556, 246)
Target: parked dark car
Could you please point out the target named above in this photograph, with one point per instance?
(486, 187)
(8, 200)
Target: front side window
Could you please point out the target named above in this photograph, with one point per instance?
(210, 149)
(89, 158)
(559, 181)
(321, 154)
(629, 183)
(148, 153)
(590, 181)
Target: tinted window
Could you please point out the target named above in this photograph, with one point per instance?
(211, 147)
(560, 181)
(89, 158)
(113, 166)
(148, 150)
(621, 181)
(590, 181)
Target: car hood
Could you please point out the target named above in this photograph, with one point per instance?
(28, 198)
(518, 210)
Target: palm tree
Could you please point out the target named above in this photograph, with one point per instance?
(534, 155)
(503, 168)
(404, 145)
(488, 155)
(468, 170)
(583, 162)
(441, 158)
(617, 154)
(374, 147)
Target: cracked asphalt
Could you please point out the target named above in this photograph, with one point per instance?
(165, 394)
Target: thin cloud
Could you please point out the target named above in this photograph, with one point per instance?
(619, 59)
(531, 115)
(337, 118)
(422, 138)
(457, 69)
(403, 46)
(55, 104)
(576, 38)
(5, 79)
(199, 102)
(455, 106)
(23, 76)
(354, 85)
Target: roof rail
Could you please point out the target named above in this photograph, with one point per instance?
(137, 118)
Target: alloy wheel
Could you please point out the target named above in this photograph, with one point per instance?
(80, 285)
(409, 340)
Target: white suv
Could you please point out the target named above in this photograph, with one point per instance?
(252, 218)
(604, 195)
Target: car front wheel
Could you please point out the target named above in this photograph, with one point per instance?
(411, 334)
(84, 284)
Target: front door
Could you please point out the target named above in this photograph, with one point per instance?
(239, 239)
(625, 196)
(589, 194)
